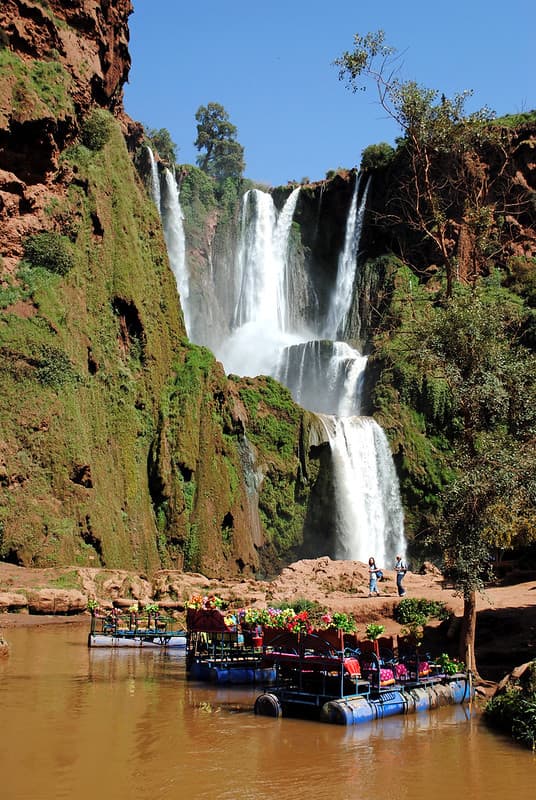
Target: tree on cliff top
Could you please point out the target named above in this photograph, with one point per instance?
(223, 156)
(442, 181)
(164, 145)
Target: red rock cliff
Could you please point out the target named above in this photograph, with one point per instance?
(59, 60)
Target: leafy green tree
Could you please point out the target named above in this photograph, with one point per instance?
(471, 345)
(164, 145)
(442, 181)
(377, 156)
(223, 156)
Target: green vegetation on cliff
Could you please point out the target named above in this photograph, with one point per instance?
(275, 428)
(85, 354)
(37, 88)
(456, 393)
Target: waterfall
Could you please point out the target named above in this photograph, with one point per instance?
(324, 377)
(343, 293)
(172, 219)
(262, 260)
(281, 244)
(258, 271)
(368, 508)
(260, 325)
(268, 319)
(155, 181)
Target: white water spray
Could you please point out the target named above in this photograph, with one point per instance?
(343, 293)
(262, 260)
(368, 508)
(172, 219)
(260, 328)
(325, 377)
(155, 181)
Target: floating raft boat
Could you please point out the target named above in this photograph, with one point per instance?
(134, 630)
(353, 710)
(222, 654)
(315, 681)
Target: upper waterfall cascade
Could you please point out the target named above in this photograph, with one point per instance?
(343, 292)
(155, 181)
(268, 334)
(172, 220)
(261, 326)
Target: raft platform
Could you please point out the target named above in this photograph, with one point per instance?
(221, 655)
(315, 681)
(134, 630)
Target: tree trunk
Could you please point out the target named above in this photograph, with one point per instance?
(467, 634)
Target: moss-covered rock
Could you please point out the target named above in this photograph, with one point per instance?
(82, 374)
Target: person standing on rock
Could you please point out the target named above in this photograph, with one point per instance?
(373, 577)
(400, 569)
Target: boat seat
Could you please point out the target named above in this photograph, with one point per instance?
(352, 667)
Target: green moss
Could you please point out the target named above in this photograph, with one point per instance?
(101, 342)
(282, 517)
(67, 580)
(273, 416)
(192, 549)
(198, 200)
(54, 367)
(50, 251)
(9, 293)
(37, 88)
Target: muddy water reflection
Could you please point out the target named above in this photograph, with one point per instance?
(96, 724)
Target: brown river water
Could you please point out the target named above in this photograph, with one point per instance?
(111, 725)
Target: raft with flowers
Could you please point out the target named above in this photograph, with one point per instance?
(223, 649)
(317, 678)
(235, 647)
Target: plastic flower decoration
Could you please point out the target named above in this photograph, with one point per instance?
(212, 601)
(299, 623)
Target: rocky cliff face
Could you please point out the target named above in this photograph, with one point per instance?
(120, 443)
(59, 60)
(488, 200)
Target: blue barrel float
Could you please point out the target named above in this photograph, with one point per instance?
(354, 710)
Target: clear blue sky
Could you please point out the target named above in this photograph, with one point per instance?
(270, 65)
